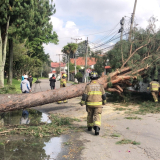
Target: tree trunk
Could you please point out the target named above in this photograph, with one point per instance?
(3, 46)
(1, 75)
(19, 101)
(10, 75)
(68, 66)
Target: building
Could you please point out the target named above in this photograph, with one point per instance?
(80, 61)
(54, 66)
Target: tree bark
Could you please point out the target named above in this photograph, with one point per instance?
(10, 75)
(68, 65)
(19, 101)
(3, 46)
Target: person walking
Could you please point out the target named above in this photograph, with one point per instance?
(94, 97)
(154, 86)
(30, 79)
(25, 86)
(63, 82)
(52, 81)
(22, 77)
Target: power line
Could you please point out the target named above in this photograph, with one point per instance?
(107, 34)
(87, 35)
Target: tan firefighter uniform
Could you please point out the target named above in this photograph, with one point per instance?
(63, 84)
(93, 97)
(154, 88)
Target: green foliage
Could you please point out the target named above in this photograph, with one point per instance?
(133, 118)
(108, 79)
(109, 85)
(71, 67)
(78, 76)
(30, 31)
(100, 63)
(58, 126)
(81, 50)
(115, 135)
(70, 48)
(127, 141)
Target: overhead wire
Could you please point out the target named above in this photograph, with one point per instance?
(107, 34)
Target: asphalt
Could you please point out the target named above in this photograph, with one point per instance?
(146, 131)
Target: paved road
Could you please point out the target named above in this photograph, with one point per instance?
(103, 147)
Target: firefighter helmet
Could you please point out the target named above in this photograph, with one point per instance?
(64, 75)
(93, 75)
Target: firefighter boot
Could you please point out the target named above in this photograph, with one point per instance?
(65, 101)
(96, 128)
(59, 102)
(89, 128)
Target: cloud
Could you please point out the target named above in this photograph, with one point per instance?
(82, 17)
(65, 30)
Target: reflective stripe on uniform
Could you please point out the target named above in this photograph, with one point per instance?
(94, 103)
(97, 123)
(90, 124)
(95, 92)
(154, 89)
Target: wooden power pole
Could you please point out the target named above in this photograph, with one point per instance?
(77, 39)
(86, 58)
(132, 20)
(121, 31)
(59, 63)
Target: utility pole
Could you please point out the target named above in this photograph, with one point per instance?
(121, 31)
(86, 57)
(132, 20)
(59, 63)
(77, 39)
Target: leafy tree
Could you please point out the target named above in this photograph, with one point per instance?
(78, 76)
(69, 49)
(38, 29)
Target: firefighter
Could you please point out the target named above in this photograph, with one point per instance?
(154, 88)
(63, 84)
(93, 97)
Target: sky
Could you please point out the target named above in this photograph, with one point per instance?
(97, 20)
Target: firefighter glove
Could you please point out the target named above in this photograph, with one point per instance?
(82, 103)
(104, 102)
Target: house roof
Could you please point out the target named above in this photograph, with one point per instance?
(107, 67)
(56, 64)
(81, 61)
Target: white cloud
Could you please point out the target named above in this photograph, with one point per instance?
(96, 16)
(66, 31)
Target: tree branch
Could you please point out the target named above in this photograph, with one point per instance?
(135, 52)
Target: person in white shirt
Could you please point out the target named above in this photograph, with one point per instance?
(25, 86)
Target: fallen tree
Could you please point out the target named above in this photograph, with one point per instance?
(140, 58)
(10, 102)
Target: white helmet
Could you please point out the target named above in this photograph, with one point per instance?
(25, 76)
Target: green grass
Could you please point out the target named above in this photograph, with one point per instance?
(127, 141)
(67, 143)
(14, 88)
(143, 100)
(120, 109)
(115, 135)
(133, 117)
(58, 126)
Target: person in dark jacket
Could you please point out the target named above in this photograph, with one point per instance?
(52, 81)
(30, 79)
